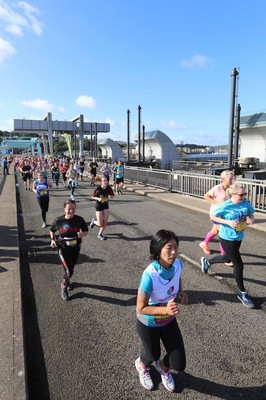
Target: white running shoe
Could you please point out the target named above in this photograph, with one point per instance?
(92, 224)
(167, 378)
(144, 375)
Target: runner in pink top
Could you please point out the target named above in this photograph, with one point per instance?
(215, 196)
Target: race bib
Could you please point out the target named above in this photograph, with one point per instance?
(72, 242)
(43, 192)
(241, 226)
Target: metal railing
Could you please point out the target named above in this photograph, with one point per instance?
(194, 184)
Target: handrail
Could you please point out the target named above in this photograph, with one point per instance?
(194, 184)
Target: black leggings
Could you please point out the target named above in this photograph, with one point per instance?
(232, 253)
(68, 257)
(171, 337)
(44, 205)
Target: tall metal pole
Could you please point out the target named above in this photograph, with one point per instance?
(91, 146)
(75, 143)
(232, 118)
(139, 133)
(128, 134)
(96, 142)
(237, 131)
(143, 143)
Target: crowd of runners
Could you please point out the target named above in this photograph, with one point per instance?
(160, 288)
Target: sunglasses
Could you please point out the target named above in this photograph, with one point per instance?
(241, 194)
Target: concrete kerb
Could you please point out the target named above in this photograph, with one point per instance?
(12, 365)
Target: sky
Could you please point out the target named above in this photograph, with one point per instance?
(173, 58)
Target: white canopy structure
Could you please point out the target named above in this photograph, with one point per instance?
(252, 137)
(159, 147)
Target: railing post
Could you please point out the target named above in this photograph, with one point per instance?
(170, 181)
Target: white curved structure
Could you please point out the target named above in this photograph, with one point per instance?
(159, 147)
(252, 138)
(111, 149)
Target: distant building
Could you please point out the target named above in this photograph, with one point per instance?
(252, 137)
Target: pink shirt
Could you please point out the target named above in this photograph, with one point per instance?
(218, 194)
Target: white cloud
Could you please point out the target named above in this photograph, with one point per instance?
(6, 50)
(8, 125)
(196, 61)
(41, 104)
(109, 121)
(174, 125)
(30, 12)
(16, 22)
(86, 101)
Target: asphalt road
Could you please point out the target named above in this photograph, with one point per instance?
(85, 348)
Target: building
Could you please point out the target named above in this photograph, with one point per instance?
(252, 138)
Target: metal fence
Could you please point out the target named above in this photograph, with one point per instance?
(194, 184)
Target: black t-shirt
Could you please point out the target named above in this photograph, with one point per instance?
(69, 228)
(26, 169)
(93, 165)
(100, 192)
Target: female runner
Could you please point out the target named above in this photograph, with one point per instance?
(102, 194)
(71, 229)
(41, 187)
(157, 308)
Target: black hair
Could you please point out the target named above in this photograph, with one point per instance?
(159, 240)
(69, 202)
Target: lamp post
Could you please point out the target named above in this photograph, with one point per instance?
(91, 146)
(139, 132)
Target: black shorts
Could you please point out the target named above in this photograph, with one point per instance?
(102, 206)
(119, 180)
(26, 177)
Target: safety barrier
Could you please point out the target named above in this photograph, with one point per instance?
(194, 184)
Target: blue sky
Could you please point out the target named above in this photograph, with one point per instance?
(100, 58)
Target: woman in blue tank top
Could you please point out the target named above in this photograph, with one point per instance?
(41, 187)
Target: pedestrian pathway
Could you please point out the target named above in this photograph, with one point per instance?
(182, 200)
(12, 368)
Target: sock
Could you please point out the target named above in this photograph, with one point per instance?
(221, 249)
(209, 237)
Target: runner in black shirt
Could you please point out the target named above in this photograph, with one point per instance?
(71, 229)
(93, 169)
(26, 174)
(102, 194)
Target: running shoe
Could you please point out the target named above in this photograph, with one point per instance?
(144, 375)
(72, 197)
(119, 191)
(64, 293)
(92, 224)
(101, 237)
(167, 378)
(69, 286)
(205, 248)
(205, 265)
(44, 225)
(245, 299)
